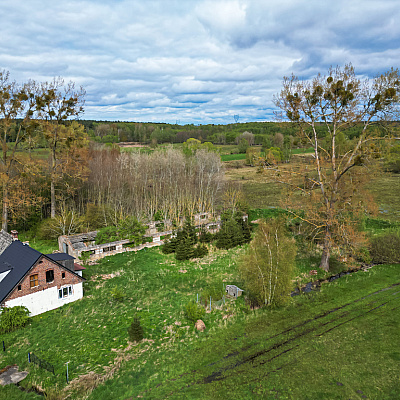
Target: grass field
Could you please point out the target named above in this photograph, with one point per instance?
(242, 353)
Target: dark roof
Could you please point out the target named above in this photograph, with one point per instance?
(60, 256)
(18, 259)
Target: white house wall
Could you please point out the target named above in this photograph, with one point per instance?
(46, 300)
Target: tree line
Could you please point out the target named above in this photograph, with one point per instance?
(34, 112)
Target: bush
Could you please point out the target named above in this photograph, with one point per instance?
(169, 246)
(183, 244)
(52, 228)
(385, 248)
(234, 232)
(267, 266)
(200, 251)
(206, 237)
(117, 294)
(107, 234)
(135, 331)
(13, 318)
(128, 228)
(193, 311)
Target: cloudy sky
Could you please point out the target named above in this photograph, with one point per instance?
(192, 61)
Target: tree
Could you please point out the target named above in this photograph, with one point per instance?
(16, 102)
(135, 331)
(58, 102)
(322, 109)
(267, 266)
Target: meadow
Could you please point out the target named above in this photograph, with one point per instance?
(327, 344)
(336, 343)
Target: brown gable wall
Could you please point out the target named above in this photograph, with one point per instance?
(40, 268)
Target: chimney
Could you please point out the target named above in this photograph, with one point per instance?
(14, 235)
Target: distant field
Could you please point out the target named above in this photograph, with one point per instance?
(261, 191)
(386, 191)
(233, 157)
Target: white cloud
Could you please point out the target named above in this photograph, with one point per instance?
(193, 60)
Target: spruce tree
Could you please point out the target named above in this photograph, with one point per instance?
(135, 331)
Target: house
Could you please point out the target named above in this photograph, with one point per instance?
(37, 281)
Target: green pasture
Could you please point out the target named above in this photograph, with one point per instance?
(233, 157)
(175, 361)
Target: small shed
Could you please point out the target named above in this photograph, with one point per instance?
(233, 290)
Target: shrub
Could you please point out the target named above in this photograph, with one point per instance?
(117, 294)
(135, 331)
(200, 251)
(107, 234)
(193, 311)
(206, 237)
(128, 228)
(13, 318)
(169, 246)
(234, 232)
(216, 292)
(267, 267)
(84, 257)
(52, 228)
(385, 248)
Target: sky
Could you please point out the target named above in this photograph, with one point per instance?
(193, 61)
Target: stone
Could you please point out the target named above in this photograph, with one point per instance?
(11, 375)
(200, 325)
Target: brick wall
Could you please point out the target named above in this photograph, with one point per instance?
(43, 265)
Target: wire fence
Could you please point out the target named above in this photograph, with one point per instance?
(42, 363)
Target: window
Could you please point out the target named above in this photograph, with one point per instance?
(111, 248)
(34, 280)
(19, 287)
(50, 276)
(63, 275)
(65, 292)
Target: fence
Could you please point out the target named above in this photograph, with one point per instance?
(42, 363)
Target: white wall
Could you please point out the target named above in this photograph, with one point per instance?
(46, 300)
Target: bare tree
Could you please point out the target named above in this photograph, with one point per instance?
(323, 109)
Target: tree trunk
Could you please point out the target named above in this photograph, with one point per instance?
(326, 252)
(52, 199)
(325, 259)
(4, 220)
(52, 183)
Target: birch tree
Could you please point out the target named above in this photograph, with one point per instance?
(267, 266)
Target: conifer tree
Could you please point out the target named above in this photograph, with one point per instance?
(135, 331)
